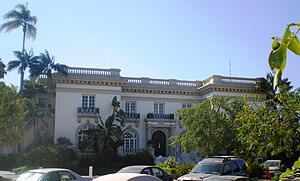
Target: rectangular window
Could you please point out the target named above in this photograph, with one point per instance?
(186, 105)
(88, 101)
(42, 102)
(130, 107)
(159, 108)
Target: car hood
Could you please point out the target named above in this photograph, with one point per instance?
(195, 176)
(273, 168)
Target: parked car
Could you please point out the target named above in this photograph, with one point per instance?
(147, 169)
(227, 178)
(51, 174)
(127, 177)
(274, 166)
(7, 176)
(217, 165)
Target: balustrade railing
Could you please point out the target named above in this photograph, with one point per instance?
(93, 72)
(216, 79)
(82, 110)
(132, 116)
(160, 116)
(162, 82)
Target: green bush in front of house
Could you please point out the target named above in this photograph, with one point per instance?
(256, 170)
(176, 170)
(50, 156)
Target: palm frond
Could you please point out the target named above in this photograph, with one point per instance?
(13, 64)
(9, 26)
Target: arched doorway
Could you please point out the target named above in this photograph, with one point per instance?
(159, 139)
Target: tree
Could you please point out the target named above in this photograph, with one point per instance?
(2, 69)
(21, 17)
(208, 126)
(23, 61)
(13, 113)
(30, 91)
(272, 131)
(266, 85)
(277, 56)
(45, 65)
(108, 136)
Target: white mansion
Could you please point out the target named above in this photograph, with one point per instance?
(86, 93)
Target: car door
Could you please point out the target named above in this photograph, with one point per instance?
(157, 172)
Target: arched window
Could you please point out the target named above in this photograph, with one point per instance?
(83, 137)
(130, 143)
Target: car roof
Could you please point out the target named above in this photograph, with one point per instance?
(46, 170)
(273, 161)
(134, 168)
(139, 166)
(127, 177)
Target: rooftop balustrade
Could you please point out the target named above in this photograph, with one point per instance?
(161, 82)
(217, 79)
(149, 82)
(94, 72)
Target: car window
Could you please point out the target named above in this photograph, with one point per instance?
(65, 176)
(212, 168)
(146, 171)
(51, 176)
(227, 169)
(30, 176)
(157, 172)
(234, 166)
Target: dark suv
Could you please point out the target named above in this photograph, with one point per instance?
(216, 165)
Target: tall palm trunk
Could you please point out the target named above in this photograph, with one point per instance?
(46, 112)
(23, 50)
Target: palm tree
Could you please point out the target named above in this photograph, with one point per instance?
(21, 17)
(46, 66)
(23, 61)
(31, 89)
(108, 136)
(2, 69)
(265, 85)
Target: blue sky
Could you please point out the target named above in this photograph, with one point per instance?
(167, 39)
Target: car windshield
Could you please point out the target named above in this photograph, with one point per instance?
(272, 164)
(209, 168)
(30, 176)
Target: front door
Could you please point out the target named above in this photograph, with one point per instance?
(159, 139)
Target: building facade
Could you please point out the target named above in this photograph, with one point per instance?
(77, 101)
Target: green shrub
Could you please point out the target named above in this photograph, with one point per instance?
(183, 169)
(8, 162)
(175, 170)
(50, 156)
(256, 170)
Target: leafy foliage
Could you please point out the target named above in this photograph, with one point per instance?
(24, 59)
(50, 156)
(209, 126)
(13, 113)
(2, 69)
(272, 130)
(21, 17)
(295, 172)
(108, 136)
(277, 56)
(64, 142)
(176, 170)
(256, 170)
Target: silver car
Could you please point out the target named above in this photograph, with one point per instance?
(51, 174)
